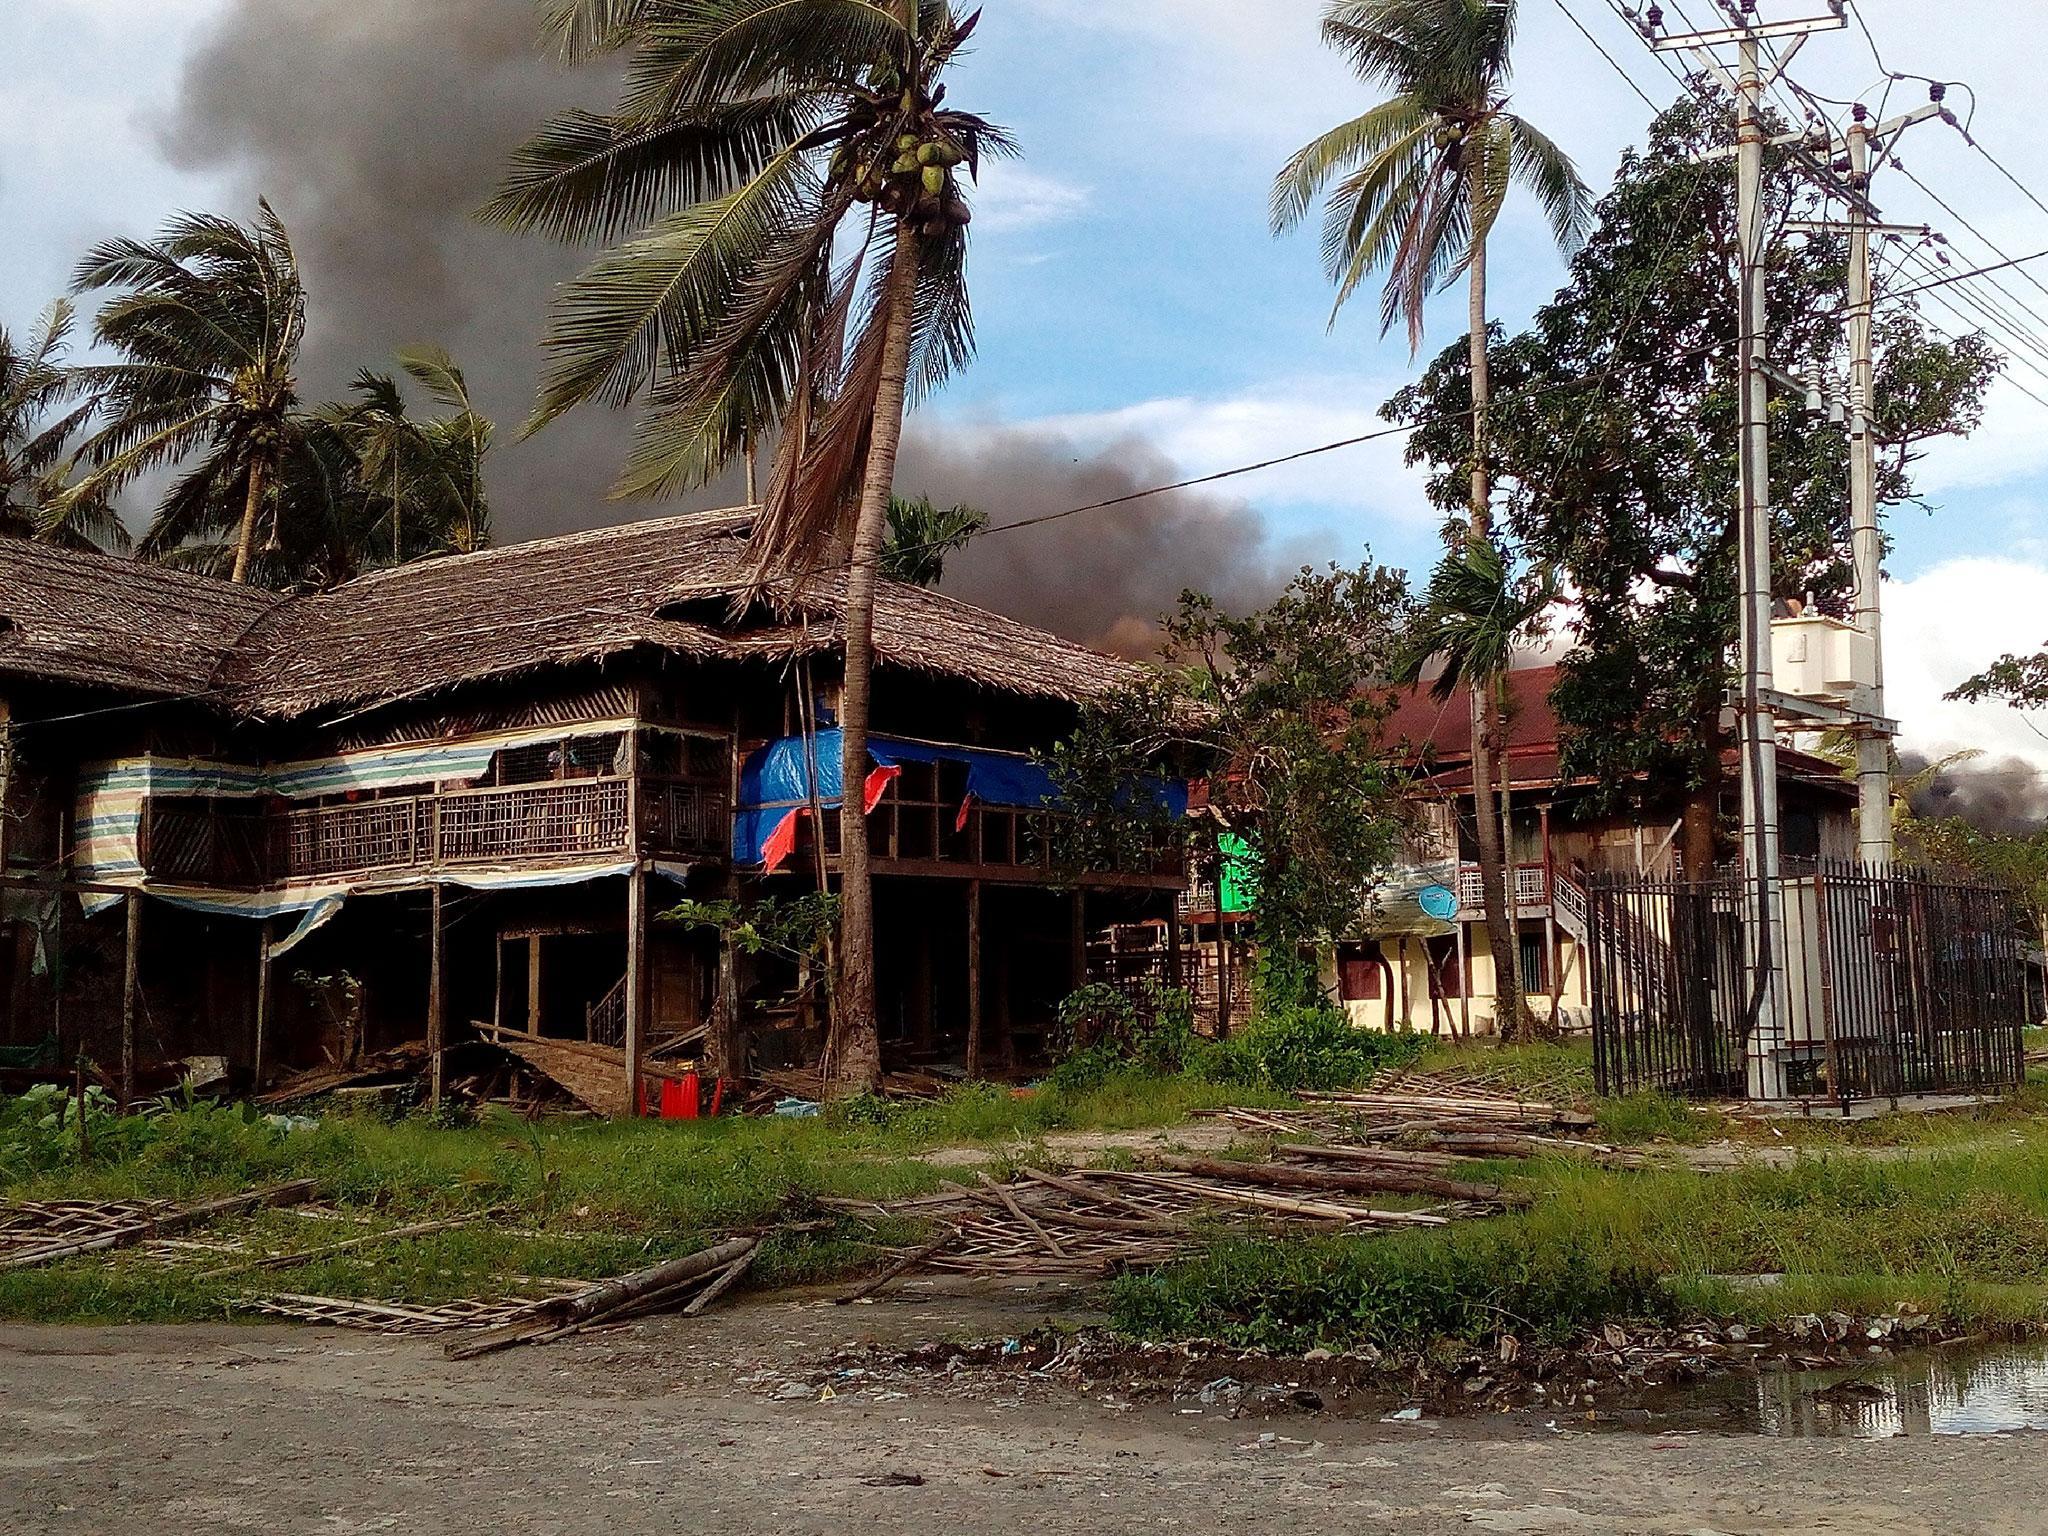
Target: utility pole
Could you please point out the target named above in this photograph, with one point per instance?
(1755, 705)
(1757, 725)
(1873, 731)
(1866, 543)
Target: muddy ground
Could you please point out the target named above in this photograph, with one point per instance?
(724, 1423)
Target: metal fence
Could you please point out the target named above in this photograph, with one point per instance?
(1896, 982)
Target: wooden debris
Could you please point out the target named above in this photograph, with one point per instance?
(609, 1299)
(593, 1075)
(1377, 1180)
(1092, 1221)
(30, 1225)
(347, 1245)
(160, 1223)
(394, 1065)
(390, 1316)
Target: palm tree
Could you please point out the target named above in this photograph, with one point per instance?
(38, 419)
(1474, 615)
(922, 535)
(208, 322)
(426, 472)
(1423, 177)
(787, 175)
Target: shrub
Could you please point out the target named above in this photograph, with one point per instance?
(1401, 1292)
(1103, 1031)
(1313, 1047)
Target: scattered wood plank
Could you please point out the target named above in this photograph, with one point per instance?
(347, 1245)
(1378, 1180)
(594, 1075)
(555, 1319)
(162, 1224)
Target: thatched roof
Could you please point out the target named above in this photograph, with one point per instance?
(659, 585)
(119, 624)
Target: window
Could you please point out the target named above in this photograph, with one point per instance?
(1535, 961)
(1360, 975)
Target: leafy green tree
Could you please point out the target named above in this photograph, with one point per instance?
(208, 319)
(1415, 186)
(40, 415)
(922, 535)
(2018, 681)
(1278, 712)
(785, 175)
(1476, 613)
(1612, 439)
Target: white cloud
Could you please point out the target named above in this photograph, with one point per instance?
(1014, 199)
(1948, 624)
(1202, 435)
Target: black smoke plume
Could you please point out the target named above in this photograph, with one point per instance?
(1103, 577)
(376, 127)
(2007, 795)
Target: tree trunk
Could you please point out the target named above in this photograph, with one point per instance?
(252, 508)
(857, 1048)
(1486, 815)
(1699, 833)
(1519, 1022)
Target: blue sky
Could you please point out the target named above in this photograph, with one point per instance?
(1127, 285)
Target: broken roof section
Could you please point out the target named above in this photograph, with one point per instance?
(660, 585)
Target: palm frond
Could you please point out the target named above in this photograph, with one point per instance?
(582, 30)
(586, 176)
(707, 51)
(1546, 170)
(1365, 138)
(666, 290)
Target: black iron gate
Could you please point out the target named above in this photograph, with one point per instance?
(1896, 982)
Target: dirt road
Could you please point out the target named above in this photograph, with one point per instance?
(719, 1424)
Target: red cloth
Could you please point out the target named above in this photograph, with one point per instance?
(877, 785)
(960, 821)
(781, 842)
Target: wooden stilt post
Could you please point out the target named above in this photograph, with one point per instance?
(262, 1044)
(636, 984)
(131, 972)
(437, 1011)
(1080, 938)
(974, 1041)
(533, 987)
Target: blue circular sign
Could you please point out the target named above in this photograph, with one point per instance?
(1438, 901)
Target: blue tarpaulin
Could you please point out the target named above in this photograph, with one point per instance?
(775, 785)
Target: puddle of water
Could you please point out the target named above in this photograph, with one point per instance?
(1933, 1392)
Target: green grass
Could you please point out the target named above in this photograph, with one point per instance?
(1960, 1234)
(577, 1198)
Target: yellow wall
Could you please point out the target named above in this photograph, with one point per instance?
(1372, 1013)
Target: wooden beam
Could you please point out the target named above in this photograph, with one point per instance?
(636, 984)
(1080, 938)
(533, 991)
(131, 973)
(262, 1002)
(974, 1042)
(437, 1006)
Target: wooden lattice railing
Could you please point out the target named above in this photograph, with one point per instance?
(207, 843)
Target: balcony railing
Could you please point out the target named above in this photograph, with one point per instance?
(931, 837)
(1531, 882)
(230, 844)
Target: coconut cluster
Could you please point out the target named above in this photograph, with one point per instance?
(914, 179)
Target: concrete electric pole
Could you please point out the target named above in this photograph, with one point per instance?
(1757, 696)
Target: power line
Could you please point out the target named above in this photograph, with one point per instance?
(1959, 277)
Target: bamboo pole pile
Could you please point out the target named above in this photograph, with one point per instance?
(1094, 1221)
